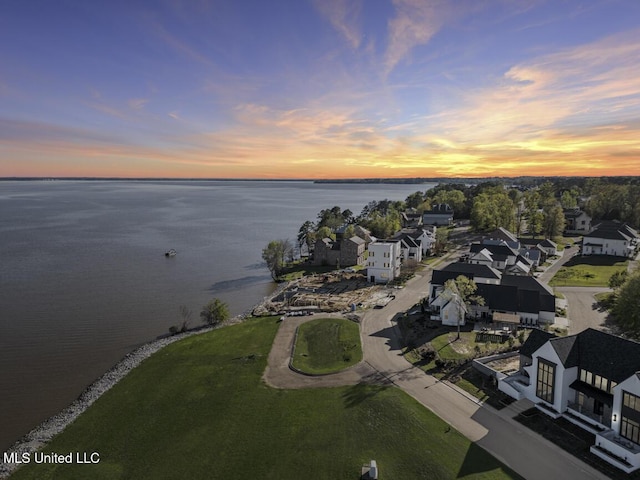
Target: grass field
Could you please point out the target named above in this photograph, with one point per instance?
(327, 345)
(198, 409)
(592, 271)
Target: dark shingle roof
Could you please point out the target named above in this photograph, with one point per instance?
(469, 270)
(613, 357)
(526, 283)
(536, 339)
(613, 231)
(496, 250)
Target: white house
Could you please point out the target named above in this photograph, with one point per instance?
(383, 264)
(448, 308)
(440, 214)
(577, 221)
(592, 379)
(611, 238)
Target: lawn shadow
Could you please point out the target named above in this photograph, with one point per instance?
(361, 392)
(478, 461)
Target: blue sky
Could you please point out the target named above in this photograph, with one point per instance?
(319, 89)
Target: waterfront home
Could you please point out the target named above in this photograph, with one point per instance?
(440, 214)
(383, 263)
(345, 252)
(592, 379)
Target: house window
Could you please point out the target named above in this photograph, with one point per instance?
(630, 417)
(597, 381)
(372, 254)
(546, 380)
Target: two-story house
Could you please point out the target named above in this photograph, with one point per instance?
(611, 238)
(592, 379)
(440, 214)
(576, 221)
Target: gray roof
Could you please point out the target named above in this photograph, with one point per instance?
(613, 231)
(536, 339)
(613, 357)
(439, 209)
(470, 270)
(498, 251)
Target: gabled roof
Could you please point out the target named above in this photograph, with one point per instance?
(482, 254)
(502, 250)
(548, 243)
(410, 242)
(526, 283)
(613, 357)
(470, 270)
(533, 254)
(613, 231)
(536, 339)
(502, 234)
(356, 239)
(439, 209)
(573, 212)
(499, 297)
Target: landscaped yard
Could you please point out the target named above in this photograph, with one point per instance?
(327, 345)
(591, 271)
(199, 409)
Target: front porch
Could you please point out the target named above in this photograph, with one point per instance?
(617, 450)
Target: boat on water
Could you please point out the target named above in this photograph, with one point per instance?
(170, 253)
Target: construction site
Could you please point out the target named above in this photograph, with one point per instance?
(327, 292)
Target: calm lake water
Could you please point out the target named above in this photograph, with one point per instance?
(84, 279)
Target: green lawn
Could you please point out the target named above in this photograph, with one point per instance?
(591, 271)
(327, 345)
(198, 409)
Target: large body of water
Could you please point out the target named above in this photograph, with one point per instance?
(84, 279)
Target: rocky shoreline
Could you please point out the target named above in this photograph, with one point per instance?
(44, 433)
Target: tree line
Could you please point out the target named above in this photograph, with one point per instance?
(526, 206)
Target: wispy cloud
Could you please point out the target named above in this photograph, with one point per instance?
(137, 103)
(344, 16)
(414, 23)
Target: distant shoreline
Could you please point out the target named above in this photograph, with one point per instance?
(392, 180)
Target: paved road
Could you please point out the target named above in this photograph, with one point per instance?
(524, 451)
(582, 310)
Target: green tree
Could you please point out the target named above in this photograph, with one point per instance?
(306, 235)
(532, 214)
(415, 199)
(492, 209)
(464, 288)
(325, 232)
(214, 312)
(627, 307)
(553, 221)
(618, 279)
(276, 254)
(442, 240)
(569, 199)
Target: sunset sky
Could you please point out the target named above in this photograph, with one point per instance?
(319, 89)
